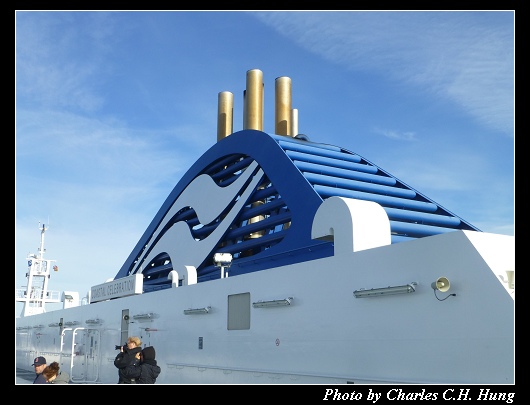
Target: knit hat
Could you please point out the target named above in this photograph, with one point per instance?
(149, 353)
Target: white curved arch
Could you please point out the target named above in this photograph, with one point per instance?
(352, 224)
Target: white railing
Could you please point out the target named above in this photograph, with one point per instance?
(51, 296)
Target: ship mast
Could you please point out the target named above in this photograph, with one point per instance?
(36, 293)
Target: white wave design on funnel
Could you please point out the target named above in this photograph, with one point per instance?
(209, 201)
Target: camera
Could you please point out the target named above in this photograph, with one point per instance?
(118, 347)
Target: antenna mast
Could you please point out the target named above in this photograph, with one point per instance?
(36, 293)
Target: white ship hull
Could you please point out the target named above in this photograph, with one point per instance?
(326, 335)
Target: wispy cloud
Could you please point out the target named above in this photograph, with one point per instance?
(458, 56)
(46, 72)
(400, 136)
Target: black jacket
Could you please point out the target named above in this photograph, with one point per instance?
(143, 373)
(123, 360)
(39, 379)
(147, 371)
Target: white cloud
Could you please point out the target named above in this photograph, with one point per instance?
(459, 56)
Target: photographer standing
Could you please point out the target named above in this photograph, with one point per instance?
(127, 357)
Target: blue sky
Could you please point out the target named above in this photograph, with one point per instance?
(112, 108)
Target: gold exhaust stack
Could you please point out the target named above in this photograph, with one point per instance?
(282, 111)
(225, 115)
(253, 101)
(285, 117)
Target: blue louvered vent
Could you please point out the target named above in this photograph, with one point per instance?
(334, 171)
(273, 228)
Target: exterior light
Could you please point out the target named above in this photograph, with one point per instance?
(147, 315)
(197, 311)
(376, 292)
(223, 261)
(273, 303)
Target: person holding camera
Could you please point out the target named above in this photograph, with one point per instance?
(127, 357)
